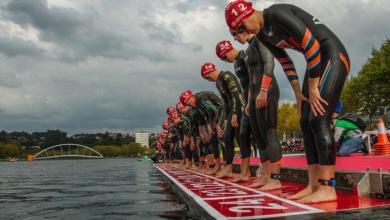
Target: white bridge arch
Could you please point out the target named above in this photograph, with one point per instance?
(67, 151)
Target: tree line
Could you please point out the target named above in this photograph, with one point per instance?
(20, 144)
(368, 92)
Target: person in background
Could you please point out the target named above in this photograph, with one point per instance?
(349, 135)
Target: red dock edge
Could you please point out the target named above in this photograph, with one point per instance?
(225, 200)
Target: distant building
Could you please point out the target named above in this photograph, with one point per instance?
(142, 138)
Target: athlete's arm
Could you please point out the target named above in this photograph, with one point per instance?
(284, 59)
(289, 70)
(234, 90)
(299, 31)
(268, 74)
(208, 109)
(248, 103)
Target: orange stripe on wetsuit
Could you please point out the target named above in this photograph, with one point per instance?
(288, 67)
(345, 61)
(312, 50)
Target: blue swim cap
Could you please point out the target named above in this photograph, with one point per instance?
(339, 106)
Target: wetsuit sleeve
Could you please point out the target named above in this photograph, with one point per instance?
(299, 31)
(234, 91)
(284, 60)
(201, 118)
(268, 59)
(269, 65)
(189, 127)
(210, 109)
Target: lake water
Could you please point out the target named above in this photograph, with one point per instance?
(85, 189)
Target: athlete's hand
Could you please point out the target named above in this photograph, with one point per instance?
(317, 102)
(192, 146)
(220, 132)
(234, 121)
(207, 139)
(261, 99)
(218, 128)
(247, 110)
(300, 99)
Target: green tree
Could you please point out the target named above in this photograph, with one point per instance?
(11, 148)
(288, 119)
(369, 91)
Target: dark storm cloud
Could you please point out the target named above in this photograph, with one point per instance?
(79, 35)
(97, 65)
(58, 22)
(18, 47)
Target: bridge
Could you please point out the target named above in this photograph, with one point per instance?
(67, 151)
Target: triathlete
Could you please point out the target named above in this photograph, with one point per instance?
(231, 92)
(208, 104)
(184, 125)
(226, 52)
(263, 108)
(284, 26)
(195, 118)
(165, 143)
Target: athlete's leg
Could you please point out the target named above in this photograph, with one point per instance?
(310, 149)
(228, 138)
(268, 119)
(336, 67)
(245, 149)
(216, 154)
(260, 143)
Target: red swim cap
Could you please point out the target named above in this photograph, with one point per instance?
(173, 116)
(222, 48)
(207, 68)
(179, 106)
(165, 124)
(185, 96)
(170, 109)
(236, 12)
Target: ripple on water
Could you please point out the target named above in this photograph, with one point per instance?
(85, 189)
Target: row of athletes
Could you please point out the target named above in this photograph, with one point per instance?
(247, 107)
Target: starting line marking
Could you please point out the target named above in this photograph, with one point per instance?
(226, 200)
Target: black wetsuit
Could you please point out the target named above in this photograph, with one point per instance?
(208, 103)
(231, 92)
(287, 26)
(185, 131)
(196, 118)
(264, 121)
(172, 140)
(245, 127)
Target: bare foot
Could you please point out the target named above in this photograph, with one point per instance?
(271, 185)
(260, 181)
(304, 192)
(224, 174)
(322, 194)
(195, 168)
(240, 178)
(205, 170)
(213, 171)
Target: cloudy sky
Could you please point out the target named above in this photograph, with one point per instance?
(97, 65)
